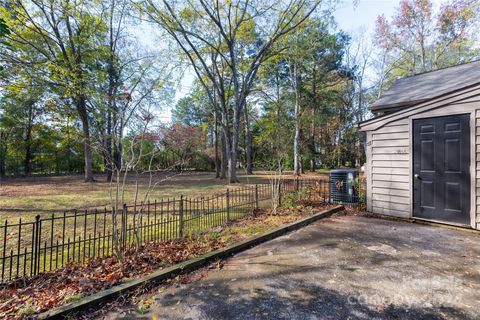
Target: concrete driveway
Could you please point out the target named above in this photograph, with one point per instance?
(344, 267)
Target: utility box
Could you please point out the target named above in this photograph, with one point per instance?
(343, 185)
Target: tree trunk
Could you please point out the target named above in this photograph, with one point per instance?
(296, 146)
(117, 143)
(215, 135)
(3, 153)
(232, 144)
(107, 148)
(87, 149)
(116, 114)
(248, 144)
(107, 155)
(296, 142)
(69, 151)
(313, 149)
(57, 163)
(224, 160)
(231, 141)
(230, 156)
(232, 166)
(28, 139)
(28, 155)
(302, 171)
(112, 85)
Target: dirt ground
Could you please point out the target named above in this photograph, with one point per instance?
(26, 197)
(345, 267)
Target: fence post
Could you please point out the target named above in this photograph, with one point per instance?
(296, 183)
(181, 216)
(124, 225)
(280, 193)
(5, 246)
(330, 191)
(36, 244)
(228, 204)
(256, 197)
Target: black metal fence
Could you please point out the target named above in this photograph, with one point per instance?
(47, 243)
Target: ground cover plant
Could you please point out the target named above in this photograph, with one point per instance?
(74, 281)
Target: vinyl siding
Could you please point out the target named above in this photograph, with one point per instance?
(390, 167)
(477, 167)
(389, 161)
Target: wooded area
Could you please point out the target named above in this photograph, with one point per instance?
(84, 83)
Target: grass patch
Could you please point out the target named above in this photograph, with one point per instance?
(74, 298)
(56, 194)
(26, 197)
(144, 305)
(26, 310)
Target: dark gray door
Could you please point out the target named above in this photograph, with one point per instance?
(441, 168)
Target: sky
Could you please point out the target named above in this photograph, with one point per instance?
(362, 15)
(351, 16)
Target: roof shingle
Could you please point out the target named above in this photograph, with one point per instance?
(428, 85)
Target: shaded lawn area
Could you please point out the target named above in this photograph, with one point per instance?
(26, 197)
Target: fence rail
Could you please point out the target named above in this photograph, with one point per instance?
(47, 243)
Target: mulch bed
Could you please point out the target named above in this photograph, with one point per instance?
(27, 297)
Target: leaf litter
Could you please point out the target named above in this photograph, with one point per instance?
(32, 295)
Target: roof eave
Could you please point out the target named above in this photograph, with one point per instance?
(405, 104)
(450, 97)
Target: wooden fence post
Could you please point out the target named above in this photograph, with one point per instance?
(256, 197)
(181, 217)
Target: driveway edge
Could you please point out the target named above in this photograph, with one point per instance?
(431, 223)
(186, 266)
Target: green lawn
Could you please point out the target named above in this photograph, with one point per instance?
(26, 197)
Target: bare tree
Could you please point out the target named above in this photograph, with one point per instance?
(276, 183)
(361, 89)
(138, 161)
(199, 26)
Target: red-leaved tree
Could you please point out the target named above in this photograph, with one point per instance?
(183, 141)
(419, 38)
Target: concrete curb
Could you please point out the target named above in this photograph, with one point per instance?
(186, 266)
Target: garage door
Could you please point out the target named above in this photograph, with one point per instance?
(441, 168)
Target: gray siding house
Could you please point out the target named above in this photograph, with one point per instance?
(423, 147)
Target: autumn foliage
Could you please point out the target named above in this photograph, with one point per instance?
(419, 38)
(186, 142)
